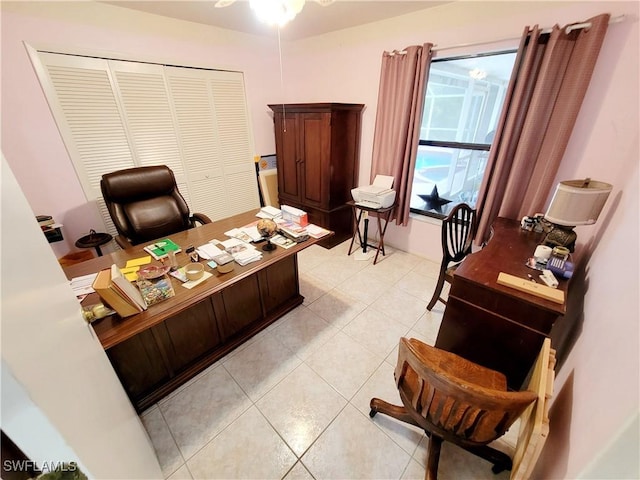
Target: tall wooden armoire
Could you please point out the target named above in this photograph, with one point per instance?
(318, 150)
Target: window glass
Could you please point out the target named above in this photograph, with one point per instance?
(463, 101)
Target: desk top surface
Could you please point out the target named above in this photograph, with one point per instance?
(508, 251)
(111, 329)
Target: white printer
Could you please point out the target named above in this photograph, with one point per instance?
(377, 195)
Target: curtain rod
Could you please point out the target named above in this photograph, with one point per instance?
(569, 29)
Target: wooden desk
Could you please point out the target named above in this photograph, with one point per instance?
(159, 349)
(495, 325)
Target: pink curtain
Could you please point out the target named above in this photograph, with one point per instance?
(403, 80)
(550, 78)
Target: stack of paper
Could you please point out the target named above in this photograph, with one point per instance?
(241, 252)
(247, 256)
(83, 286)
(317, 232)
(283, 241)
(269, 212)
(208, 251)
(292, 230)
(248, 233)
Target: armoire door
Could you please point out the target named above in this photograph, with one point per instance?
(315, 166)
(289, 188)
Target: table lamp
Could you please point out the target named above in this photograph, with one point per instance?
(575, 202)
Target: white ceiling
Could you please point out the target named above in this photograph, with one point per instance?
(313, 20)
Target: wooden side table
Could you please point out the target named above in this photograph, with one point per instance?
(358, 213)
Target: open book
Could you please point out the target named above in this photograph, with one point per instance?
(117, 292)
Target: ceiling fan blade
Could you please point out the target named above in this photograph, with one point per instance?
(223, 3)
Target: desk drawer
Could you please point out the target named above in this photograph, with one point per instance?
(515, 309)
(490, 340)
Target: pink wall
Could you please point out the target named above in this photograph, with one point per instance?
(30, 139)
(602, 368)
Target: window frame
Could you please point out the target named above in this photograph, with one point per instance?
(453, 144)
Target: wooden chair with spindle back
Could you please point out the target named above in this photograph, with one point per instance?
(458, 230)
(455, 400)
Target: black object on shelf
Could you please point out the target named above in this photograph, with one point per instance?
(94, 240)
(51, 232)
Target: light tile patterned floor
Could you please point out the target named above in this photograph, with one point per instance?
(293, 401)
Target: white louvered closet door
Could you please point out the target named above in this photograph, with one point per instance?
(196, 121)
(211, 115)
(88, 115)
(115, 114)
(148, 115)
(232, 122)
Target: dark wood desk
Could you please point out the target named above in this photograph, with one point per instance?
(159, 349)
(495, 325)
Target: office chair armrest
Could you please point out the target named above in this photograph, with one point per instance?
(201, 218)
(123, 242)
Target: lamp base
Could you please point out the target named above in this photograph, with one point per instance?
(561, 236)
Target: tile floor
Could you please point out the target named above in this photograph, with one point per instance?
(293, 401)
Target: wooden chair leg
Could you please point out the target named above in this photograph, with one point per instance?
(394, 411)
(433, 457)
(437, 291)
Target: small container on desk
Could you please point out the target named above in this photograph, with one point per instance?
(155, 290)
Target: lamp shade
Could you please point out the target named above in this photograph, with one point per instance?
(577, 202)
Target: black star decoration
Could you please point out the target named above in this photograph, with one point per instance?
(434, 201)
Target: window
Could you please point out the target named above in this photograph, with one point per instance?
(462, 107)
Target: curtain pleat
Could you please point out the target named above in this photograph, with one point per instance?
(551, 75)
(403, 79)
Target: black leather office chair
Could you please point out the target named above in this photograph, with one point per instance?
(145, 204)
(458, 230)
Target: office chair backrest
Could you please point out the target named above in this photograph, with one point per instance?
(458, 230)
(464, 412)
(144, 203)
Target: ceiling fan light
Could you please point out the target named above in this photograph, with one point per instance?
(276, 12)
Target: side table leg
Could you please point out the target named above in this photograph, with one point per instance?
(356, 229)
(366, 233)
(382, 232)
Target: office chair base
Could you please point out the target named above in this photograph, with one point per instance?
(394, 411)
(500, 460)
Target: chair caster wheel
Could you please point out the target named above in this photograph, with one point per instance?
(372, 412)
